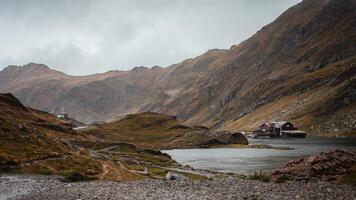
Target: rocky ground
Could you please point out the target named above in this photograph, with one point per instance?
(333, 165)
(27, 187)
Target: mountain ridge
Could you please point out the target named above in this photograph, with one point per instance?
(301, 67)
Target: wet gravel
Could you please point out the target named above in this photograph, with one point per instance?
(29, 187)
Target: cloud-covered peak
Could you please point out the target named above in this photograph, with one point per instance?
(83, 37)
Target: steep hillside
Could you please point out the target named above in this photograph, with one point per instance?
(301, 68)
(33, 141)
(30, 141)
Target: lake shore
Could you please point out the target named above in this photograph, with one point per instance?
(260, 155)
(26, 187)
(253, 146)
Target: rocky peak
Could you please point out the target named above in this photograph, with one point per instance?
(11, 68)
(156, 67)
(139, 69)
(29, 66)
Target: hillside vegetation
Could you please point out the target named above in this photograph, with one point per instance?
(158, 131)
(32, 141)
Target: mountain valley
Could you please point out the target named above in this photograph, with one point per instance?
(300, 68)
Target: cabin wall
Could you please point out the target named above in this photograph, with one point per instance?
(265, 127)
(288, 127)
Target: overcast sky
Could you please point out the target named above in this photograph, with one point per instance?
(91, 36)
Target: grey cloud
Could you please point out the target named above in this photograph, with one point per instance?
(90, 36)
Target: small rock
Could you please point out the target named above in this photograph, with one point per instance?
(175, 176)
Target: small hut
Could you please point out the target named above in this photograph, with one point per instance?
(62, 114)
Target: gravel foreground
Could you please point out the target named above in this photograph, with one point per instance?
(31, 187)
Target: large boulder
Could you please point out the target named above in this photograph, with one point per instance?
(231, 137)
(326, 166)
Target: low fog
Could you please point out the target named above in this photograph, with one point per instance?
(84, 37)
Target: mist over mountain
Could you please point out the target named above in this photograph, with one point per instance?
(301, 68)
(86, 37)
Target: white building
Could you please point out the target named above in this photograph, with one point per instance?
(62, 114)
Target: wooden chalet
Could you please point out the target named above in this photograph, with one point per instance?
(278, 129)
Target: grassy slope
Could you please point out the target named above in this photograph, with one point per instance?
(30, 141)
(33, 141)
(149, 130)
(159, 131)
(299, 67)
(320, 111)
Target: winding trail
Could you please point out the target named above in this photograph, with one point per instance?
(101, 154)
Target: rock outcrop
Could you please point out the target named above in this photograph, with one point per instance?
(208, 139)
(159, 131)
(326, 166)
(227, 137)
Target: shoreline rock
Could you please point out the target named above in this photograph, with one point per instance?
(325, 166)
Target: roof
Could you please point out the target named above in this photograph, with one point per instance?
(279, 124)
(268, 124)
(275, 124)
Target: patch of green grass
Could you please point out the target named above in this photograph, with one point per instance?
(158, 172)
(136, 167)
(160, 160)
(2, 171)
(261, 176)
(80, 164)
(46, 172)
(74, 176)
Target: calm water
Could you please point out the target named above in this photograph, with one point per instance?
(251, 160)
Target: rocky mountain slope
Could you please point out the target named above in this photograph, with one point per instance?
(300, 68)
(86, 98)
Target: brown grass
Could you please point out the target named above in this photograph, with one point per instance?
(149, 130)
(31, 142)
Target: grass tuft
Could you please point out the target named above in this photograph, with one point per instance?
(261, 176)
(74, 176)
(158, 172)
(194, 177)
